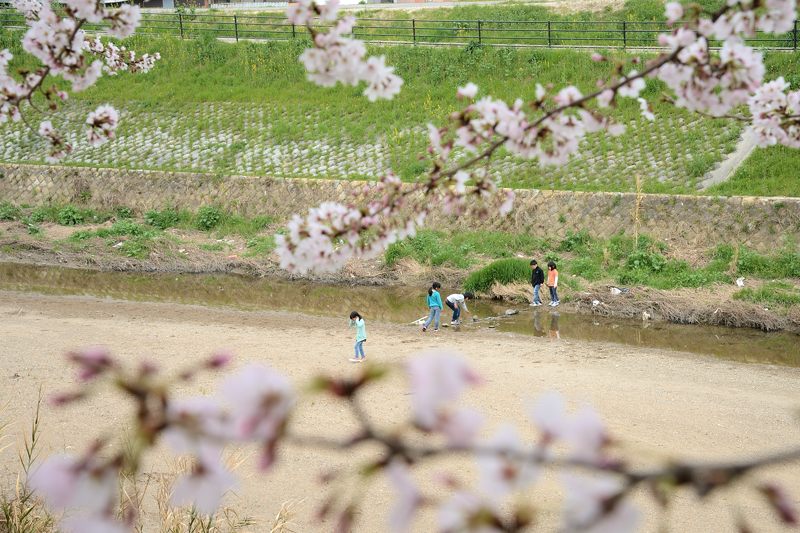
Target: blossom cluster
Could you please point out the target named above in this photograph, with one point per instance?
(437, 381)
(332, 233)
(102, 123)
(61, 46)
(118, 59)
(339, 59)
(717, 84)
(252, 406)
(776, 114)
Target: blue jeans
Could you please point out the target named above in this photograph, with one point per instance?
(536, 298)
(359, 347)
(456, 310)
(553, 294)
(435, 316)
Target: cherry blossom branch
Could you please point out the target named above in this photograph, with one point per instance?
(58, 42)
(258, 410)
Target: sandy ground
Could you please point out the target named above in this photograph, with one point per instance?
(658, 404)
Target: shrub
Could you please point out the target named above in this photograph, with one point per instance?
(501, 271)
(208, 217)
(123, 212)
(123, 227)
(162, 219)
(429, 247)
(69, 216)
(649, 261)
(8, 211)
(575, 241)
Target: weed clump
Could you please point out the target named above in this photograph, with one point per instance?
(208, 217)
(503, 271)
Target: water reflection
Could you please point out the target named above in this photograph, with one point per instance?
(397, 304)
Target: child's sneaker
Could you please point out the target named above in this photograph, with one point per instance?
(355, 360)
(424, 329)
(555, 304)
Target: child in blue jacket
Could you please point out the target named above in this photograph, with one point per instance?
(435, 306)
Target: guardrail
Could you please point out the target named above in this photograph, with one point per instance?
(530, 33)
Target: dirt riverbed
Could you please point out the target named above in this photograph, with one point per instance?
(658, 404)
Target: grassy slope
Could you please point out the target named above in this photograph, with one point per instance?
(268, 78)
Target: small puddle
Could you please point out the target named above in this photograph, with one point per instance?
(399, 305)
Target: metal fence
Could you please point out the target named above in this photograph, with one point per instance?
(532, 33)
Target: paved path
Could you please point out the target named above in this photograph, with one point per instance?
(729, 165)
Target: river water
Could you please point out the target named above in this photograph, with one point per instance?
(400, 305)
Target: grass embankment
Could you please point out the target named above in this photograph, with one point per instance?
(203, 109)
(584, 260)
(482, 257)
(136, 237)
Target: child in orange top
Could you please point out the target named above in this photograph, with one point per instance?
(552, 282)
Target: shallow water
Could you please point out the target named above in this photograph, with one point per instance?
(398, 304)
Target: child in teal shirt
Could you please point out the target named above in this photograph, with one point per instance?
(356, 321)
(435, 306)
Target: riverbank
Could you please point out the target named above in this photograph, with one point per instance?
(658, 404)
(180, 250)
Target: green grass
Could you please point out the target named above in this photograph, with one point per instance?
(773, 293)
(218, 107)
(206, 101)
(585, 259)
(502, 271)
(773, 171)
(257, 246)
(461, 249)
(8, 211)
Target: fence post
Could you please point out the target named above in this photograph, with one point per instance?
(624, 34)
(549, 41)
(414, 31)
(180, 23)
(479, 32)
(236, 27)
(795, 36)
(294, 34)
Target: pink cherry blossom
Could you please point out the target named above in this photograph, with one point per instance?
(461, 426)
(381, 82)
(605, 97)
(588, 508)
(92, 362)
(67, 483)
(632, 88)
(196, 425)
(644, 107)
(260, 399)
(505, 472)
(549, 414)
(469, 91)
(204, 487)
(460, 514)
(299, 12)
(407, 499)
(102, 124)
(437, 378)
(587, 435)
(673, 12)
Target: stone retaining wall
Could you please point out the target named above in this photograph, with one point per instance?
(682, 220)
